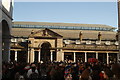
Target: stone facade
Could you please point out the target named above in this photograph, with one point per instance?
(48, 45)
(6, 7)
(43, 36)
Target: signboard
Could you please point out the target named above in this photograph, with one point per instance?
(92, 60)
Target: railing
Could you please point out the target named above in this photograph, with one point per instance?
(63, 27)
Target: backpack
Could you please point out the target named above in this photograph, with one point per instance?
(34, 76)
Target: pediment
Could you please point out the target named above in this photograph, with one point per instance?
(45, 33)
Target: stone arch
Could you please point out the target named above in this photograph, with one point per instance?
(5, 41)
(5, 28)
(40, 44)
(45, 51)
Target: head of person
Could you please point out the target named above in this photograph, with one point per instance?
(33, 67)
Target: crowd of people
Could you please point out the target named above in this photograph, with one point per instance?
(60, 71)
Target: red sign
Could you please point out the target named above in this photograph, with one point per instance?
(92, 60)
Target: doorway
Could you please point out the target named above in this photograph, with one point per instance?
(45, 52)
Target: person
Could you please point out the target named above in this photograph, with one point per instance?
(68, 75)
(32, 71)
(96, 69)
(116, 70)
(75, 72)
(103, 75)
(34, 75)
(43, 72)
(86, 74)
(108, 72)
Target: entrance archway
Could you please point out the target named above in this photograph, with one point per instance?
(5, 41)
(45, 52)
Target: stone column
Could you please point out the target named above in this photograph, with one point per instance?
(96, 55)
(107, 58)
(62, 56)
(28, 56)
(85, 56)
(15, 55)
(51, 56)
(39, 55)
(59, 55)
(32, 56)
(74, 57)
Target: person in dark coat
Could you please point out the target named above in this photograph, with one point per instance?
(85, 74)
(96, 69)
(108, 72)
(116, 70)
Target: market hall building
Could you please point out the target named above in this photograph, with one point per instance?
(43, 41)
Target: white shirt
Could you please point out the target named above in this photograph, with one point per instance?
(30, 72)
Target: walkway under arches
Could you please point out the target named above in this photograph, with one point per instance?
(5, 41)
